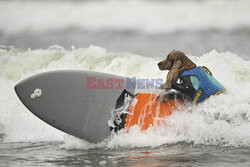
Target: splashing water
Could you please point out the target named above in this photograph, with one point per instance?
(221, 120)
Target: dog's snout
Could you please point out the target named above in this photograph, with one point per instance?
(159, 63)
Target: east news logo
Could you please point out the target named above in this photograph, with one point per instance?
(114, 83)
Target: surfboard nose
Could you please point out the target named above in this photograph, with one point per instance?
(17, 89)
(31, 93)
(21, 89)
(24, 85)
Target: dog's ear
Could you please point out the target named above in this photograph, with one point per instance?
(173, 74)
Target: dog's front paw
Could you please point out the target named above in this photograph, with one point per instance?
(166, 86)
(162, 97)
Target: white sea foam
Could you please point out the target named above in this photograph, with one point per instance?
(143, 16)
(221, 120)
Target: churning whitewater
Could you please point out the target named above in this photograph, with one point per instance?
(222, 120)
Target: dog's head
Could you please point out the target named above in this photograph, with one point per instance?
(168, 63)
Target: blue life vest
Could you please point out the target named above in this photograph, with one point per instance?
(204, 83)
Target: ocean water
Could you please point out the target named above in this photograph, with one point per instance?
(128, 38)
(146, 27)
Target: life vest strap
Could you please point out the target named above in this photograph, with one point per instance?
(198, 94)
(207, 70)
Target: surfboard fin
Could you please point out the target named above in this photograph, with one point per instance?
(121, 109)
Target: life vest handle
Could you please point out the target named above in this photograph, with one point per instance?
(206, 69)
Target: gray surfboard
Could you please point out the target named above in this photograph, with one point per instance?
(64, 100)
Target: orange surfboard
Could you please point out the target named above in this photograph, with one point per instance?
(146, 111)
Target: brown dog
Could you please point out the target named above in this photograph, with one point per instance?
(176, 62)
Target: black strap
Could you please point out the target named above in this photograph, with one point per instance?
(185, 87)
